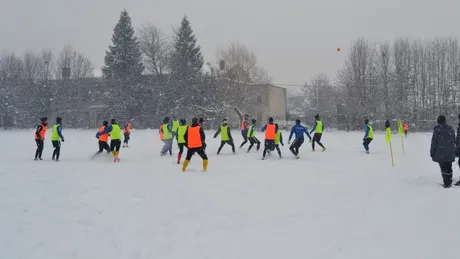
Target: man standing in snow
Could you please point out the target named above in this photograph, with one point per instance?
(200, 122)
(299, 131)
(252, 136)
(56, 138)
(442, 149)
(127, 132)
(270, 129)
(40, 137)
(168, 135)
(318, 128)
(457, 146)
(194, 138)
(368, 136)
(244, 129)
(225, 135)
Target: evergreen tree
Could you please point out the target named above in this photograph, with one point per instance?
(124, 62)
(123, 66)
(185, 89)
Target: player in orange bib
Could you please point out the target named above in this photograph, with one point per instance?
(103, 139)
(406, 128)
(40, 137)
(127, 133)
(270, 130)
(194, 138)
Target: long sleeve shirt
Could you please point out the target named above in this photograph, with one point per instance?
(59, 131)
(299, 131)
(366, 131)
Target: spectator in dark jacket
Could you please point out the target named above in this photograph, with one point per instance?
(457, 146)
(443, 149)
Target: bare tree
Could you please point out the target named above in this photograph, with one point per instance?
(11, 76)
(80, 66)
(384, 76)
(357, 83)
(297, 103)
(241, 70)
(241, 65)
(46, 64)
(31, 63)
(319, 95)
(11, 67)
(156, 50)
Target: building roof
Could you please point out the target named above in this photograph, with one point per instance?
(267, 85)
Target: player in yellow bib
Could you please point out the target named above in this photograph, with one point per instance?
(181, 129)
(115, 138)
(318, 128)
(369, 135)
(225, 136)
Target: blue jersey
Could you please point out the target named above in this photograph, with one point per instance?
(299, 130)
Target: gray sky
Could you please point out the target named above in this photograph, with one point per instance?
(294, 40)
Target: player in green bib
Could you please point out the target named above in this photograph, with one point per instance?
(115, 138)
(181, 129)
(56, 138)
(318, 129)
(369, 136)
(252, 136)
(225, 136)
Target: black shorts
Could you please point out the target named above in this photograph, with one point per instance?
(39, 142)
(56, 143)
(297, 142)
(199, 151)
(317, 137)
(270, 144)
(127, 135)
(115, 145)
(367, 141)
(103, 145)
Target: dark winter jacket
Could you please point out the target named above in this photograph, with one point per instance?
(443, 144)
(457, 142)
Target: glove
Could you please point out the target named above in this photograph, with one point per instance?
(282, 144)
(97, 135)
(62, 140)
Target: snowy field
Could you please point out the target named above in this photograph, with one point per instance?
(340, 204)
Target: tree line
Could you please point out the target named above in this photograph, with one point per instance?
(411, 80)
(147, 75)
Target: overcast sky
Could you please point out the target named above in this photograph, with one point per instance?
(294, 40)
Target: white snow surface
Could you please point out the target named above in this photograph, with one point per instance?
(340, 204)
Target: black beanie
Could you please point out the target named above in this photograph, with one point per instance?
(441, 119)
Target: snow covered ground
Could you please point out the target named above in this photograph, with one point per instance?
(340, 204)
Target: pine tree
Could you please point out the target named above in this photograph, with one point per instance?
(185, 89)
(123, 62)
(123, 67)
